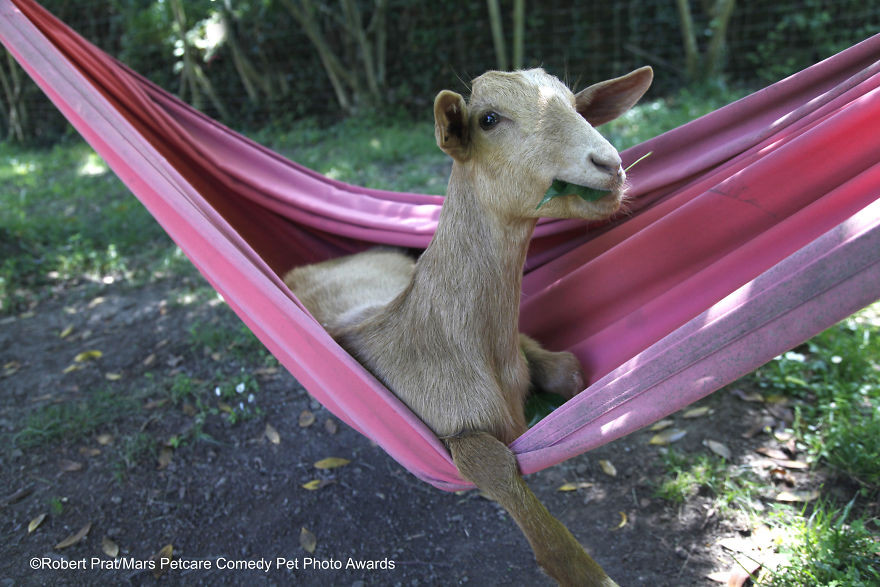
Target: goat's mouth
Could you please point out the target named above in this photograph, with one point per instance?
(561, 188)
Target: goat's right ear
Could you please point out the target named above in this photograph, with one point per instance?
(451, 124)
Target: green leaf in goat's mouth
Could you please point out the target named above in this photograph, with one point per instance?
(563, 188)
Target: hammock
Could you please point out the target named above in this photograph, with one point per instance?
(752, 229)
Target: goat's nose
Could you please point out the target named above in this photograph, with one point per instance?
(607, 163)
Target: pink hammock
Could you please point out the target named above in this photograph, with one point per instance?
(753, 228)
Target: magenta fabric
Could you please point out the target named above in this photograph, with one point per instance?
(751, 229)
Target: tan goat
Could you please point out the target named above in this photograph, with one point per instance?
(442, 332)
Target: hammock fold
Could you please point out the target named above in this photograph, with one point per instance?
(750, 230)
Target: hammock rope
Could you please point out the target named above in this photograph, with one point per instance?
(751, 229)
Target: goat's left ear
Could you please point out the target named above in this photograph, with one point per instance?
(605, 101)
(451, 124)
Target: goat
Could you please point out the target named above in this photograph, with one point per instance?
(442, 332)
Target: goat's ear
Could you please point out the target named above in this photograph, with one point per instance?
(605, 101)
(451, 124)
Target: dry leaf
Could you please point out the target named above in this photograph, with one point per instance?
(623, 520)
(74, 538)
(773, 453)
(35, 523)
(752, 397)
(574, 486)
(112, 376)
(331, 426)
(66, 332)
(71, 368)
(307, 540)
(696, 412)
(104, 439)
(88, 356)
(89, 451)
(151, 358)
(668, 436)
(331, 463)
(798, 496)
(718, 448)
(608, 468)
(306, 419)
(165, 456)
(661, 425)
(69, 466)
(316, 484)
(163, 560)
(11, 368)
(109, 547)
(272, 434)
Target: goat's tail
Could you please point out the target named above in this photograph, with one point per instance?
(489, 464)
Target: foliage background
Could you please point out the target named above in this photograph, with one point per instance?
(251, 63)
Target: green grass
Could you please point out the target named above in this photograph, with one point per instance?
(71, 421)
(836, 377)
(826, 547)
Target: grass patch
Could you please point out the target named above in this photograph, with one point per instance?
(836, 377)
(826, 548)
(70, 422)
(689, 475)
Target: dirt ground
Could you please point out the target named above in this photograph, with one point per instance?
(232, 496)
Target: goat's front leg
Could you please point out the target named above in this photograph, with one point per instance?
(489, 464)
(552, 372)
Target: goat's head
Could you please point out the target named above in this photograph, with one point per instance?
(526, 129)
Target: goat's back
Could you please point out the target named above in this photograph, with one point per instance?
(342, 291)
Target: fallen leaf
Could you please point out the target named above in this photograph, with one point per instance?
(306, 419)
(331, 463)
(112, 376)
(718, 448)
(317, 484)
(773, 453)
(272, 434)
(798, 496)
(151, 358)
(574, 486)
(66, 332)
(696, 412)
(623, 520)
(69, 466)
(88, 356)
(11, 368)
(104, 439)
(661, 425)
(74, 538)
(608, 468)
(751, 397)
(224, 407)
(155, 403)
(307, 540)
(163, 560)
(109, 547)
(789, 464)
(71, 368)
(331, 426)
(165, 456)
(668, 436)
(35, 523)
(89, 451)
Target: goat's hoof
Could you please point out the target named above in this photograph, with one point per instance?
(561, 374)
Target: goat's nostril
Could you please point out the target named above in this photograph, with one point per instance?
(606, 165)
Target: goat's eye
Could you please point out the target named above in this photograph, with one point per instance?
(489, 119)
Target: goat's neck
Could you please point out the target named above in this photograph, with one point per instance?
(471, 274)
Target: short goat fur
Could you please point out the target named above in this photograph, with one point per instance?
(442, 332)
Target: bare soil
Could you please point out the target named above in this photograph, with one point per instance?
(229, 495)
